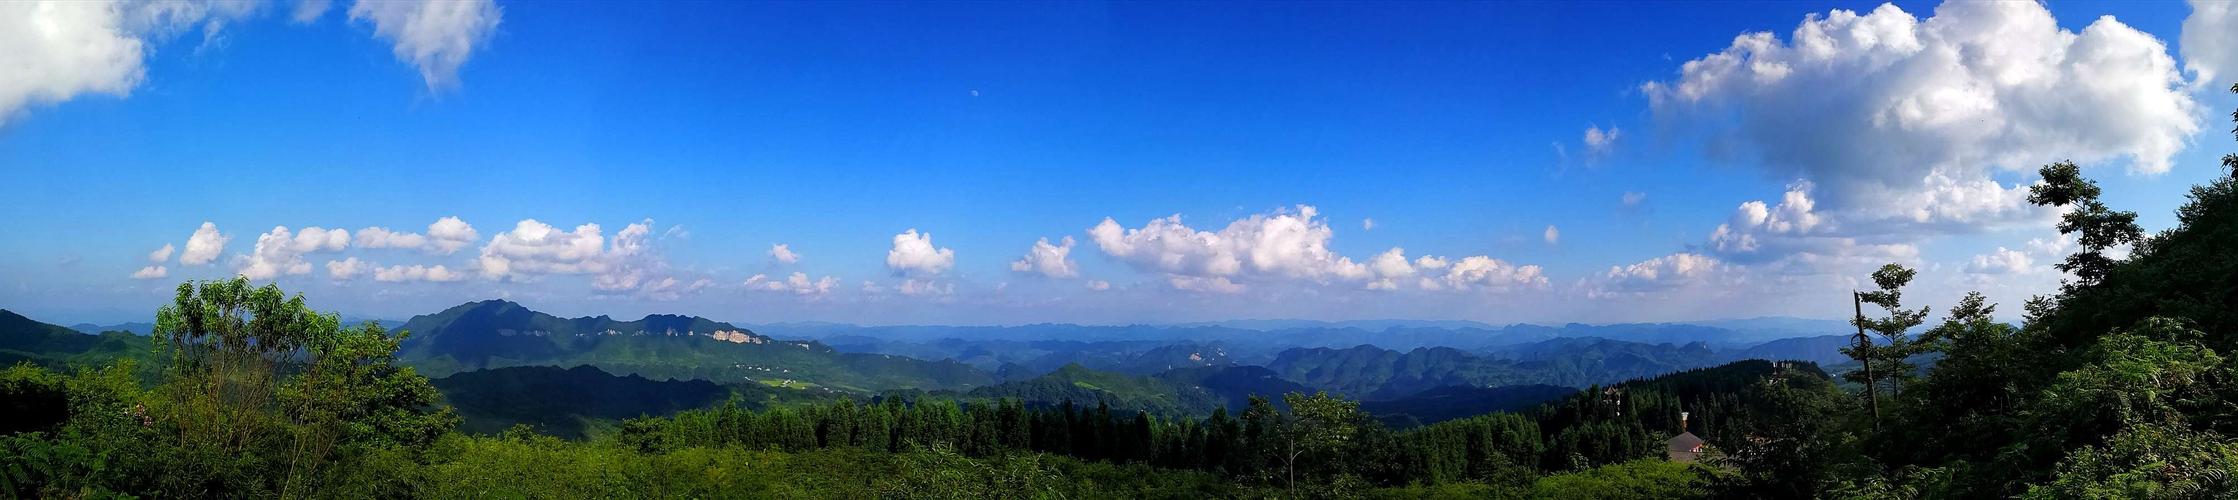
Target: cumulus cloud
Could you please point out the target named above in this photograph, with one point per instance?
(56, 50)
(436, 273)
(914, 255)
(1286, 244)
(445, 236)
(1054, 261)
(161, 254)
(1794, 238)
(381, 237)
(627, 263)
(1480, 272)
(1289, 245)
(2056, 247)
(309, 11)
(1598, 142)
(1755, 226)
(280, 251)
(151, 272)
(1909, 118)
(436, 36)
(2210, 41)
(783, 254)
(2001, 261)
(1099, 285)
(796, 284)
(1204, 284)
(1552, 235)
(345, 269)
(1367, 224)
(924, 288)
(533, 247)
(1656, 275)
(204, 246)
(449, 234)
(671, 288)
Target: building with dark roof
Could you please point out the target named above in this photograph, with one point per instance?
(1685, 447)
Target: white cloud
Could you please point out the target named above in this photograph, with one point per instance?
(1655, 275)
(914, 254)
(445, 236)
(1290, 245)
(309, 11)
(783, 254)
(670, 288)
(1204, 284)
(924, 288)
(449, 234)
(1390, 267)
(1908, 119)
(1367, 224)
(1632, 199)
(1054, 261)
(397, 274)
(381, 237)
(1391, 270)
(1280, 245)
(151, 272)
(2210, 42)
(1552, 235)
(2058, 247)
(436, 36)
(161, 254)
(204, 246)
(56, 50)
(1791, 239)
(2001, 261)
(533, 247)
(345, 269)
(1099, 285)
(629, 263)
(1480, 272)
(797, 284)
(1755, 227)
(280, 251)
(1598, 142)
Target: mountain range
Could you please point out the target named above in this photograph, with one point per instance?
(497, 333)
(503, 363)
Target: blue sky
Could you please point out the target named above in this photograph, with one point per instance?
(723, 128)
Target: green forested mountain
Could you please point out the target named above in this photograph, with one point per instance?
(1084, 386)
(1582, 361)
(496, 333)
(1370, 372)
(1458, 401)
(138, 328)
(1233, 385)
(23, 339)
(573, 402)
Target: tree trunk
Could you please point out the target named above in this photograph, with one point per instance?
(1865, 356)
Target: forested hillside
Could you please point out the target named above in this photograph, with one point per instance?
(496, 333)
